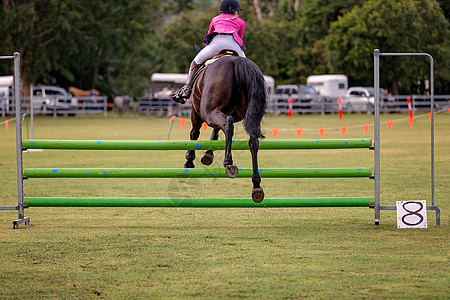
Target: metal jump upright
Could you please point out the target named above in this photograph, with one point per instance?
(20, 206)
(376, 69)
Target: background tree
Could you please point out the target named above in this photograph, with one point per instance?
(90, 44)
(36, 30)
(391, 26)
(445, 6)
(180, 36)
(114, 50)
(307, 53)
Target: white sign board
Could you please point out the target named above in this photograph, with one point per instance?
(412, 214)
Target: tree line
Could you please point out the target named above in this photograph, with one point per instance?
(115, 45)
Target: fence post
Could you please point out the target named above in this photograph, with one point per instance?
(105, 107)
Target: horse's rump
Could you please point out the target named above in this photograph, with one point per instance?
(237, 86)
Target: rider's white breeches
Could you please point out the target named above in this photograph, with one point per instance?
(219, 42)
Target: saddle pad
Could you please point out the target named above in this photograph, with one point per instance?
(210, 61)
(216, 57)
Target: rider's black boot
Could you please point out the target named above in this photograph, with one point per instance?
(184, 93)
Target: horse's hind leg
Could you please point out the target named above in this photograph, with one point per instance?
(218, 119)
(195, 133)
(208, 156)
(230, 169)
(257, 192)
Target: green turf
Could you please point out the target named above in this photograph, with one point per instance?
(229, 252)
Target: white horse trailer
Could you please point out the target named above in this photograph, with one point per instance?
(331, 86)
(6, 87)
(6, 83)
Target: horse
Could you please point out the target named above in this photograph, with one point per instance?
(83, 93)
(123, 104)
(229, 90)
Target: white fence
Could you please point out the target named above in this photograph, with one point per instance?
(276, 104)
(84, 105)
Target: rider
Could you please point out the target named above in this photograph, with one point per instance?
(225, 32)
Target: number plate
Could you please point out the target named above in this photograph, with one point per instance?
(412, 214)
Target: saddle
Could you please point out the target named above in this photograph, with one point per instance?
(225, 52)
(208, 62)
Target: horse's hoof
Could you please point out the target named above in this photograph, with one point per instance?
(257, 195)
(189, 164)
(231, 171)
(207, 159)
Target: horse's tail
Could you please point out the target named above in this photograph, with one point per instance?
(250, 81)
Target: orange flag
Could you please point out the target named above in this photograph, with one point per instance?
(299, 133)
(205, 126)
(321, 132)
(366, 129)
(343, 130)
(7, 124)
(275, 133)
(389, 124)
(411, 121)
(449, 110)
(182, 122)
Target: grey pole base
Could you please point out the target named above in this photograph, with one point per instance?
(16, 223)
(430, 207)
(25, 220)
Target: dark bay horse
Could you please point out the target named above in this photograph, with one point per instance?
(229, 90)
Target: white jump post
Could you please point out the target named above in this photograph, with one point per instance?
(376, 67)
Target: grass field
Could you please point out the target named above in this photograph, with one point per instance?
(280, 253)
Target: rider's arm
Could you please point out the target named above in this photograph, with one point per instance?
(211, 27)
(241, 30)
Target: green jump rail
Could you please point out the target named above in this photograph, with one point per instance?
(194, 145)
(195, 202)
(193, 173)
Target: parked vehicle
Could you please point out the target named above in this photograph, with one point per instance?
(329, 86)
(310, 93)
(302, 95)
(48, 98)
(359, 99)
